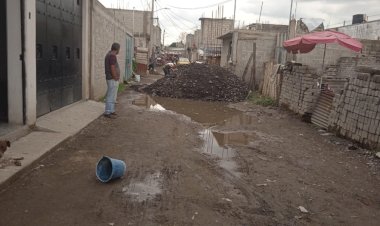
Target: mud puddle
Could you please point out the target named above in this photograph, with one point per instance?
(224, 126)
(144, 190)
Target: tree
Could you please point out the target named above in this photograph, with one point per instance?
(173, 44)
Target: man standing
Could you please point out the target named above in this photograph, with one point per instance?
(112, 72)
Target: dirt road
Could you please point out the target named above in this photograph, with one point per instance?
(206, 164)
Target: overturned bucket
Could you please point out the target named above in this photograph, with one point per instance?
(108, 169)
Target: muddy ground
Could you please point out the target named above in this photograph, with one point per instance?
(199, 163)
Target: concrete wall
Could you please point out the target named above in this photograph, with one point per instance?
(356, 112)
(139, 22)
(15, 99)
(299, 90)
(30, 62)
(244, 42)
(369, 30)
(334, 52)
(105, 30)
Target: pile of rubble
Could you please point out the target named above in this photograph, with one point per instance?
(200, 82)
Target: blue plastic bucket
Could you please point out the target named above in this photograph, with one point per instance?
(108, 169)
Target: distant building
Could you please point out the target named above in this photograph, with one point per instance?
(268, 27)
(211, 29)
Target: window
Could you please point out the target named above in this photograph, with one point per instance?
(55, 53)
(68, 54)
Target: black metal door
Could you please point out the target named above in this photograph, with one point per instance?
(3, 63)
(59, 45)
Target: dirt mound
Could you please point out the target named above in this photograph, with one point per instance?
(201, 82)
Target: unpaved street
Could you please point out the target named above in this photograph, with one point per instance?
(199, 163)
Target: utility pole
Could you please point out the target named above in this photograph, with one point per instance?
(290, 17)
(151, 30)
(261, 10)
(234, 13)
(163, 40)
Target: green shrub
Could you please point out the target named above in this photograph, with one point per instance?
(259, 99)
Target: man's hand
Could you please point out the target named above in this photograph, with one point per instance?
(114, 73)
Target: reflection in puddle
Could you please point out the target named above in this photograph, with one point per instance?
(147, 102)
(235, 126)
(220, 149)
(145, 190)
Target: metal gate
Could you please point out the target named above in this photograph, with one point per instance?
(59, 53)
(128, 58)
(3, 63)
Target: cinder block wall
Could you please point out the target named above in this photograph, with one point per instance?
(105, 30)
(356, 113)
(370, 30)
(265, 44)
(299, 90)
(334, 52)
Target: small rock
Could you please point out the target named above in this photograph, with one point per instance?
(111, 224)
(17, 162)
(352, 148)
(378, 155)
(261, 185)
(303, 209)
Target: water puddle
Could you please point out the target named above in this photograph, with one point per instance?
(145, 190)
(224, 127)
(147, 102)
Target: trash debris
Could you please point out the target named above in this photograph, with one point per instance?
(201, 82)
(378, 155)
(18, 158)
(226, 199)
(261, 185)
(298, 217)
(111, 224)
(327, 134)
(270, 181)
(303, 209)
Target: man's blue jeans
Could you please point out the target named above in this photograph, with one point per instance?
(110, 96)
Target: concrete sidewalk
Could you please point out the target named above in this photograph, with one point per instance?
(51, 130)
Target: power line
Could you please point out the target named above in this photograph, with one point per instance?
(202, 7)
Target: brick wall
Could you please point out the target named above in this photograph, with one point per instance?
(356, 113)
(299, 90)
(105, 30)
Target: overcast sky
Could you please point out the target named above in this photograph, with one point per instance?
(175, 20)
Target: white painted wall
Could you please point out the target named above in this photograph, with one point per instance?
(30, 61)
(15, 108)
(86, 9)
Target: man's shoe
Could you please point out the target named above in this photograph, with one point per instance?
(109, 116)
(114, 113)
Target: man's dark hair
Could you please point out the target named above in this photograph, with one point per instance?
(115, 46)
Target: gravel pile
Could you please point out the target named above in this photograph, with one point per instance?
(200, 82)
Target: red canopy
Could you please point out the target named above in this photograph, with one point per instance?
(306, 43)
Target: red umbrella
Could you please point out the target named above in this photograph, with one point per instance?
(306, 43)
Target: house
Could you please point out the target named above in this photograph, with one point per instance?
(52, 55)
(211, 29)
(246, 51)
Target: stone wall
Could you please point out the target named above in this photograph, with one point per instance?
(299, 90)
(356, 113)
(106, 29)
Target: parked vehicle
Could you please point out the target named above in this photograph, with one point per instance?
(182, 61)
